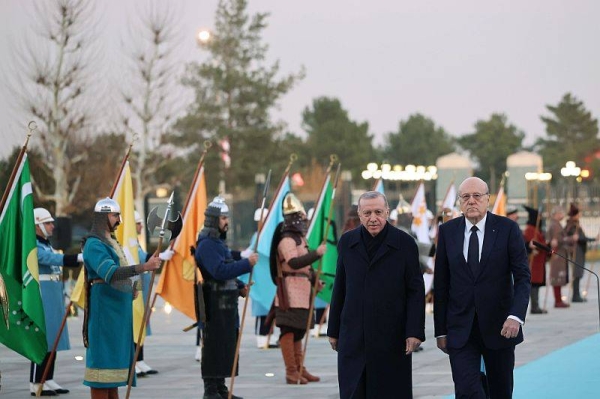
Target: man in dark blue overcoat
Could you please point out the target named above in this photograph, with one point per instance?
(377, 313)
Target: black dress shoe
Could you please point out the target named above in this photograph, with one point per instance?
(61, 390)
(152, 371)
(46, 392)
(539, 311)
(579, 299)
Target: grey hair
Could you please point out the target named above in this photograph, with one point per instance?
(373, 195)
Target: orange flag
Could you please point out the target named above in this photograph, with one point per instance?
(176, 283)
(500, 202)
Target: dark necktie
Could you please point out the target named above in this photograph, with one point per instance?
(473, 254)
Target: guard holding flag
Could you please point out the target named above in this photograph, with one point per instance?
(49, 262)
(291, 271)
(220, 268)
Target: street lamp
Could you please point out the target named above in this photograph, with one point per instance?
(571, 170)
(537, 178)
(204, 36)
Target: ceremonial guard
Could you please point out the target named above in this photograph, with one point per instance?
(220, 268)
(291, 271)
(108, 322)
(573, 228)
(537, 259)
(561, 244)
(51, 284)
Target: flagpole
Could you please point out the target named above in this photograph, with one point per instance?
(147, 304)
(318, 275)
(293, 157)
(31, 126)
(67, 311)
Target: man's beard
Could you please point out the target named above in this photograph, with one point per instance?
(113, 228)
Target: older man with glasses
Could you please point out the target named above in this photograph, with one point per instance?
(481, 293)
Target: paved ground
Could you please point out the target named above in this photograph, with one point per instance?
(171, 351)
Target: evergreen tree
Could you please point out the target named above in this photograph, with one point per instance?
(330, 131)
(491, 143)
(235, 92)
(418, 141)
(572, 134)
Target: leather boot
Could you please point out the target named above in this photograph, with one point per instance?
(558, 302)
(223, 391)
(292, 376)
(211, 389)
(535, 301)
(99, 393)
(576, 295)
(298, 354)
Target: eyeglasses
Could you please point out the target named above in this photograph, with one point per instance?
(476, 196)
(378, 212)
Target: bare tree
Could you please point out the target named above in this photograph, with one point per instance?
(53, 80)
(148, 96)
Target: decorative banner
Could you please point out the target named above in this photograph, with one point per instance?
(26, 331)
(176, 283)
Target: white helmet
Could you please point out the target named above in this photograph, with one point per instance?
(42, 215)
(107, 205)
(310, 213)
(138, 217)
(257, 212)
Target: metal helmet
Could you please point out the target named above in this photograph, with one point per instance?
(138, 217)
(41, 216)
(403, 206)
(291, 204)
(217, 207)
(107, 205)
(257, 212)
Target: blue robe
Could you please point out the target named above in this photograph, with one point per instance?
(52, 294)
(110, 320)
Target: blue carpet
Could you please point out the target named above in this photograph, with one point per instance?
(569, 372)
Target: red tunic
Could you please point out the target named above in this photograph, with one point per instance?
(537, 258)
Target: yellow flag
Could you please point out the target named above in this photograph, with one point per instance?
(176, 284)
(78, 293)
(127, 236)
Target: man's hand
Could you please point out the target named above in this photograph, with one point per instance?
(152, 264)
(441, 344)
(253, 259)
(333, 343)
(510, 329)
(321, 249)
(244, 291)
(412, 344)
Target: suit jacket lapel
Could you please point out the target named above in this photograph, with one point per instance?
(491, 232)
(357, 245)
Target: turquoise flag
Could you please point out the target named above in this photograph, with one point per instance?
(263, 290)
(379, 187)
(26, 331)
(315, 236)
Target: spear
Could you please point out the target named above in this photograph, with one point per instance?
(236, 357)
(319, 269)
(175, 227)
(67, 310)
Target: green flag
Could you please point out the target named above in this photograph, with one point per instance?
(316, 233)
(26, 332)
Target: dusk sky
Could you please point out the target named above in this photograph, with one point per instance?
(453, 61)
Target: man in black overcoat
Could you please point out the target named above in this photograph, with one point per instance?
(377, 313)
